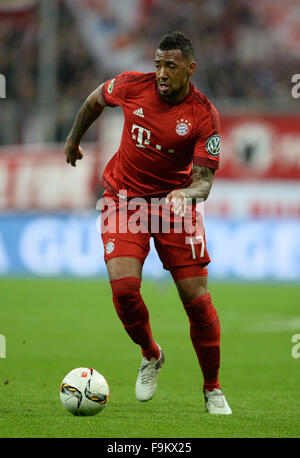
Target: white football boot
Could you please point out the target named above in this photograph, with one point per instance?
(146, 382)
(215, 403)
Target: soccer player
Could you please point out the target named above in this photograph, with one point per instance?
(169, 149)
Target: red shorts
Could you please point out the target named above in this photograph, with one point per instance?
(127, 226)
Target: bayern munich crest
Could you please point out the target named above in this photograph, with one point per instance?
(183, 127)
(110, 246)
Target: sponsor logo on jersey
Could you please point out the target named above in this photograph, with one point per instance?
(142, 142)
(182, 127)
(111, 86)
(213, 145)
(139, 112)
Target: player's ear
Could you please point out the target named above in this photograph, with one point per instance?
(192, 68)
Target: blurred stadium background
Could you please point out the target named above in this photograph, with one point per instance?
(54, 53)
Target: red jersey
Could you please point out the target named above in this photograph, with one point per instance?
(160, 141)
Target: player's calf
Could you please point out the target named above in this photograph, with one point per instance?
(205, 336)
(134, 314)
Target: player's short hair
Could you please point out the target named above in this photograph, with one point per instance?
(177, 40)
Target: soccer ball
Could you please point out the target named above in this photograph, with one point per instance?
(84, 392)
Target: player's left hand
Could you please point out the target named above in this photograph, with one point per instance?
(178, 200)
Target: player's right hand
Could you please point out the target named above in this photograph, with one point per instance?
(73, 153)
(177, 199)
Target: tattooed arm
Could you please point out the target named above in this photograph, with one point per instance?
(202, 182)
(199, 189)
(88, 113)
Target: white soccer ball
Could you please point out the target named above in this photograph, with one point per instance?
(84, 392)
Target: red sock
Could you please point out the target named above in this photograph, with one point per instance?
(205, 336)
(134, 314)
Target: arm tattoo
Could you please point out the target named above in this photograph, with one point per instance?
(89, 106)
(84, 119)
(88, 113)
(100, 96)
(202, 173)
(202, 182)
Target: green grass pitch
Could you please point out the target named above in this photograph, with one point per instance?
(54, 325)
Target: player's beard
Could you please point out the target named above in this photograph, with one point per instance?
(173, 94)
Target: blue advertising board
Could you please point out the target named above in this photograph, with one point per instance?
(69, 244)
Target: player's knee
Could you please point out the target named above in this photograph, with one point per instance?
(128, 301)
(192, 288)
(126, 291)
(201, 310)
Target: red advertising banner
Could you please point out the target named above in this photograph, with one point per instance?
(41, 179)
(259, 174)
(260, 147)
(16, 9)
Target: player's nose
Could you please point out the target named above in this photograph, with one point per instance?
(163, 74)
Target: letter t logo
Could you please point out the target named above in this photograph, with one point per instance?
(141, 142)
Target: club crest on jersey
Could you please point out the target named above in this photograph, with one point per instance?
(110, 246)
(213, 145)
(111, 86)
(183, 127)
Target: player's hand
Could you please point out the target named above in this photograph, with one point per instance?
(178, 200)
(73, 153)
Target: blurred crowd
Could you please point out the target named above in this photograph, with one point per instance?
(19, 63)
(239, 59)
(238, 55)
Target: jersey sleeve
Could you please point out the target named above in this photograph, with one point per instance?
(114, 90)
(207, 145)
